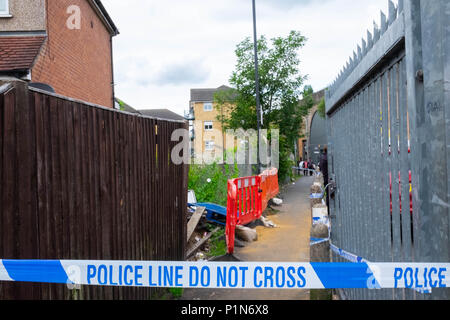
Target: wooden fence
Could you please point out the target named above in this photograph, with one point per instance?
(78, 181)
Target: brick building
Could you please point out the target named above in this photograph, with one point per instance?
(313, 132)
(66, 44)
(207, 136)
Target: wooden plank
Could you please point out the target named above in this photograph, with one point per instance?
(167, 236)
(147, 196)
(83, 192)
(41, 185)
(118, 174)
(128, 205)
(104, 198)
(32, 182)
(111, 154)
(2, 96)
(93, 235)
(64, 183)
(193, 222)
(48, 169)
(183, 200)
(58, 236)
(152, 173)
(25, 218)
(9, 201)
(70, 167)
(156, 186)
(77, 183)
(198, 245)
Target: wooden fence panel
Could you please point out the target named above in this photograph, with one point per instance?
(80, 181)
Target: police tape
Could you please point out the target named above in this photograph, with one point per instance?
(234, 275)
(314, 241)
(347, 255)
(357, 259)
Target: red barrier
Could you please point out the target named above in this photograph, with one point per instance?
(269, 186)
(247, 199)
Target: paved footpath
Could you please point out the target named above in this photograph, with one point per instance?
(289, 242)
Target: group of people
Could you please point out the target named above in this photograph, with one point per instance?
(306, 165)
(323, 167)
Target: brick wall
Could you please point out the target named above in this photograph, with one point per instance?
(77, 63)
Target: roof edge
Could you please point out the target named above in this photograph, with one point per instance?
(104, 16)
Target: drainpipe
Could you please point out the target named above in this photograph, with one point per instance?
(112, 72)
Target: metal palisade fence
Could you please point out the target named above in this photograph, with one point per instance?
(80, 181)
(388, 123)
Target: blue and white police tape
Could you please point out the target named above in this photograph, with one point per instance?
(314, 241)
(347, 255)
(237, 275)
(317, 173)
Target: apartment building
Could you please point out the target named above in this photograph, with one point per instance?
(207, 134)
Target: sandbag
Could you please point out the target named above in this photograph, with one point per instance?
(319, 230)
(246, 234)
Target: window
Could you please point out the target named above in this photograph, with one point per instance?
(207, 106)
(209, 145)
(4, 7)
(208, 125)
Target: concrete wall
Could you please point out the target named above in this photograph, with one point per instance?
(27, 15)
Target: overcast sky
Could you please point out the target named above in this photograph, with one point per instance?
(167, 47)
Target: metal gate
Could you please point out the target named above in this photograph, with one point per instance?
(388, 123)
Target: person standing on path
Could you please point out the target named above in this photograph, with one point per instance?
(323, 165)
(310, 167)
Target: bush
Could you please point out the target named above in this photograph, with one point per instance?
(210, 182)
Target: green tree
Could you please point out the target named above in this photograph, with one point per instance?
(321, 108)
(280, 89)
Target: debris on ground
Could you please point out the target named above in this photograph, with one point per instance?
(197, 243)
(277, 201)
(267, 223)
(194, 220)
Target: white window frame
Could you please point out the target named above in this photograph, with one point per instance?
(207, 125)
(209, 145)
(5, 13)
(207, 106)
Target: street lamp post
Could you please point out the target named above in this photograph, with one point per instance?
(258, 105)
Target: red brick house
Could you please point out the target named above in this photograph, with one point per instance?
(66, 44)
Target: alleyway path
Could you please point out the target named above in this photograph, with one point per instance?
(288, 242)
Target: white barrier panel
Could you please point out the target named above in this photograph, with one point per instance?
(237, 275)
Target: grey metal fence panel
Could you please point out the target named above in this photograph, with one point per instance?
(388, 123)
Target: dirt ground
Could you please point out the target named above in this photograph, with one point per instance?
(288, 242)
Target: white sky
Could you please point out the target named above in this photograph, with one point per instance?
(167, 47)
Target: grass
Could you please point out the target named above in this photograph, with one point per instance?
(176, 293)
(321, 294)
(164, 294)
(217, 243)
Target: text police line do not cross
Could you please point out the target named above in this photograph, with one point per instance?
(238, 275)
